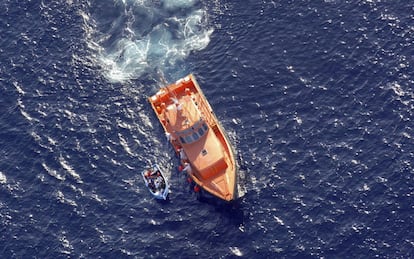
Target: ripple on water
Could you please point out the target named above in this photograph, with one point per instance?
(65, 164)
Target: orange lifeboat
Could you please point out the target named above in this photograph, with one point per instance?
(197, 136)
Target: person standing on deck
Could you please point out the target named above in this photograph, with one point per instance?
(187, 168)
(183, 156)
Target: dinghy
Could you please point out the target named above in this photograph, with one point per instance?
(156, 182)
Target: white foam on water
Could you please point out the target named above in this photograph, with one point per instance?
(19, 88)
(69, 169)
(176, 4)
(23, 112)
(150, 35)
(279, 221)
(236, 251)
(53, 172)
(61, 197)
(404, 94)
(3, 178)
(124, 144)
(67, 247)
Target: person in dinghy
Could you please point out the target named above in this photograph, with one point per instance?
(156, 182)
(149, 180)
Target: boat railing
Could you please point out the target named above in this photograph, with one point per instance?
(206, 113)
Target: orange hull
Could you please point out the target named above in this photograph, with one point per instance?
(196, 134)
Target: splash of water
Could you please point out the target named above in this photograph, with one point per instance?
(135, 37)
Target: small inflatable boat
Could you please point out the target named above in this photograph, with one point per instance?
(156, 182)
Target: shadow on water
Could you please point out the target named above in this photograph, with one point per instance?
(164, 202)
(232, 210)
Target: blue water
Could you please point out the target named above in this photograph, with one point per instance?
(316, 96)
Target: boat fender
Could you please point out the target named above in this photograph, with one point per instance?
(180, 168)
(189, 180)
(196, 189)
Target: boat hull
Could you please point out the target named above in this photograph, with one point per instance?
(197, 136)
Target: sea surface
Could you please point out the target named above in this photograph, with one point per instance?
(317, 98)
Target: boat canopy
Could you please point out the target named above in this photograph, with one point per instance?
(193, 133)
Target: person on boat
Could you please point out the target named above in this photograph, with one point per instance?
(171, 139)
(151, 184)
(159, 181)
(147, 175)
(191, 184)
(168, 136)
(187, 168)
(179, 106)
(183, 156)
(150, 180)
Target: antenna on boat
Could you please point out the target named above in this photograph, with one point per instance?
(165, 86)
(164, 82)
(162, 77)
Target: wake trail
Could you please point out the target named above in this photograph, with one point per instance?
(134, 38)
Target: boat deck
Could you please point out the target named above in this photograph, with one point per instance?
(192, 126)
